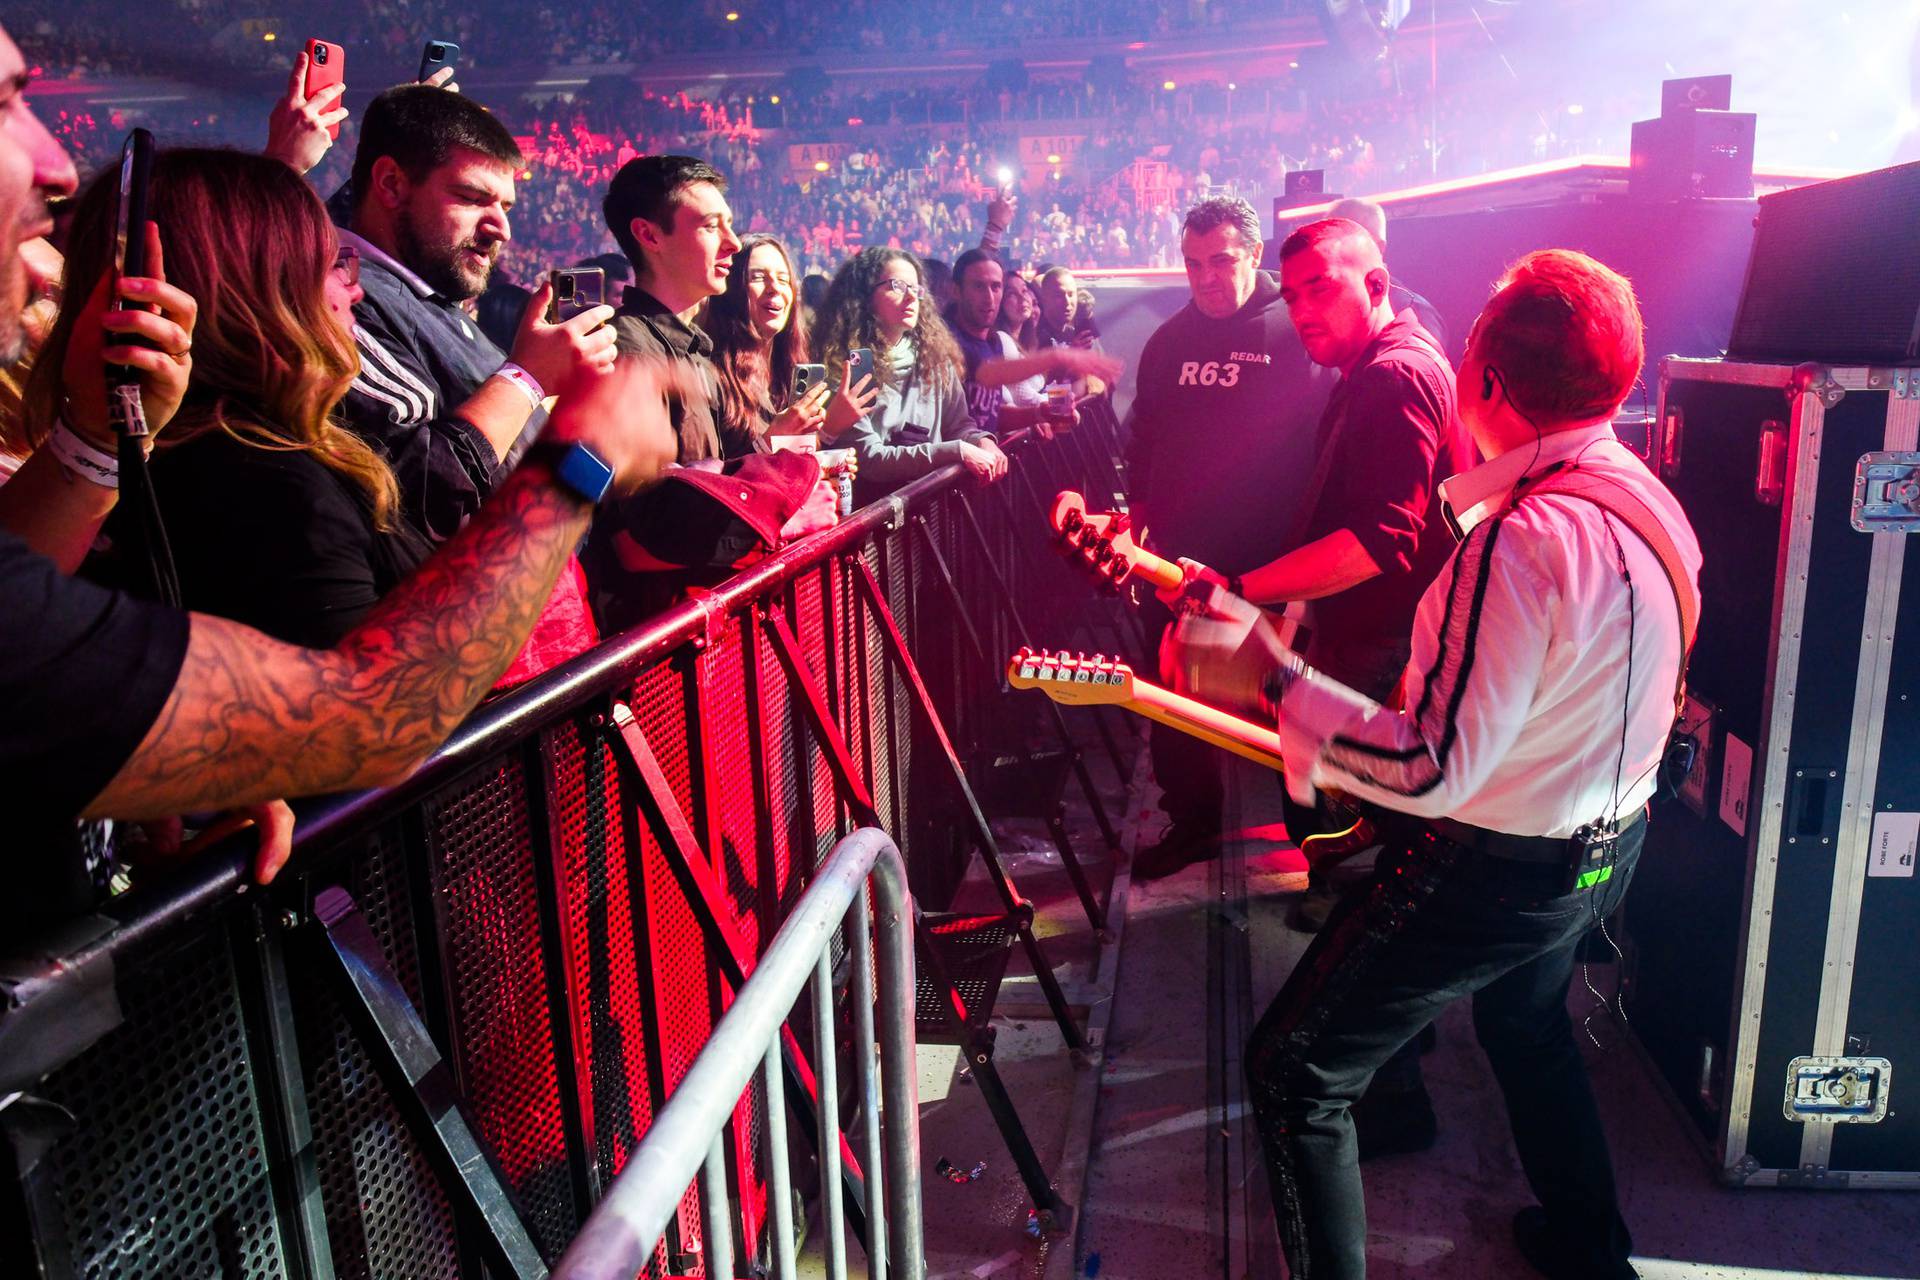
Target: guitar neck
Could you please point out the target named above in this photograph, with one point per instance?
(1210, 724)
(1164, 574)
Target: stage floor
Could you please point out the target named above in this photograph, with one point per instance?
(1173, 1185)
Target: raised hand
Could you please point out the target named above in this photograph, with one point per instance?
(301, 129)
(143, 306)
(554, 353)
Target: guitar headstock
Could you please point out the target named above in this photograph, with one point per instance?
(1098, 539)
(1074, 679)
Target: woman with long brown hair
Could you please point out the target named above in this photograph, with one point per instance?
(759, 339)
(277, 516)
(879, 300)
(1020, 314)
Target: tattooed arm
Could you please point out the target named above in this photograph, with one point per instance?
(253, 719)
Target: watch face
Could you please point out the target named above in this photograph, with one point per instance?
(583, 471)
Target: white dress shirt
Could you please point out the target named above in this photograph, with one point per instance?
(1517, 687)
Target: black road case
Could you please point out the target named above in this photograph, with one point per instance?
(1772, 972)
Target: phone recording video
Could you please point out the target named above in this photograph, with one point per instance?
(576, 289)
(326, 67)
(436, 55)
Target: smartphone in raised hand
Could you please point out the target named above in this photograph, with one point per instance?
(130, 222)
(576, 290)
(326, 67)
(805, 378)
(860, 364)
(436, 55)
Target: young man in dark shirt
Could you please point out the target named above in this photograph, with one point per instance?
(431, 189)
(1219, 450)
(671, 218)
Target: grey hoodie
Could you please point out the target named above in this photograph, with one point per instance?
(917, 426)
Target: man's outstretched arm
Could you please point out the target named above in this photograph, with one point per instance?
(252, 719)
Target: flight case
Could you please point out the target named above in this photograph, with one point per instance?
(1771, 971)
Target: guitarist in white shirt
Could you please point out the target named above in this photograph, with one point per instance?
(1547, 663)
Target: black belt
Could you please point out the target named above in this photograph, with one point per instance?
(1547, 850)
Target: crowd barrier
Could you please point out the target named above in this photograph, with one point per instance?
(431, 1046)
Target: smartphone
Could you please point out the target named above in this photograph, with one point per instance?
(436, 54)
(860, 362)
(129, 260)
(130, 217)
(806, 377)
(576, 289)
(326, 67)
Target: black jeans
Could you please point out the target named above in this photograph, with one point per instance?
(1436, 922)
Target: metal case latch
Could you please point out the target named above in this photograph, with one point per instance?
(1838, 1090)
(1886, 493)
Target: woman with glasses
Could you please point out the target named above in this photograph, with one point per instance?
(879, 300)
(759, 339)
(277, 516)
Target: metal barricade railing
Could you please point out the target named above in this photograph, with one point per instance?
(428, 1049)
(685, 1139)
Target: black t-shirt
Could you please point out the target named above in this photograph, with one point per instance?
(1400, 440)
(1221, 433)
(86, 673)
(269, 537)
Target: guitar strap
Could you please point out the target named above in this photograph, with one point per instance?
(1626, 506)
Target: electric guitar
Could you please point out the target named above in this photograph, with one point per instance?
(1083, 681)
(1102, 541)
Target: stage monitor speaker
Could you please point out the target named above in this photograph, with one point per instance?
(1693, 154)
(1834, 275)
(1304, 186)
(1299, 188)
(1697, 93)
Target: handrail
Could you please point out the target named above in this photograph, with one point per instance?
(620, 1235)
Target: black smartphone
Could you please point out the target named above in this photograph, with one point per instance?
(576, 289)
(436, 54)
(130, 229)
(860, 361)
(806, 377)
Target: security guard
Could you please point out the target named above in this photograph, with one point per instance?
(1219, 454)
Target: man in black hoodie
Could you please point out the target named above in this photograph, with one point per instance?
(1220, 449)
